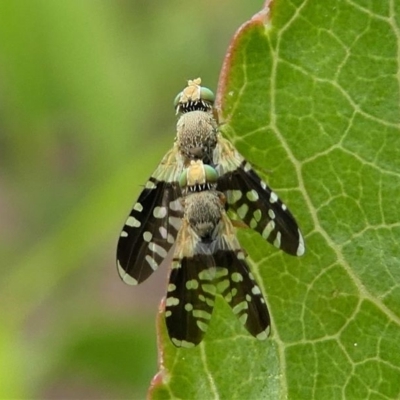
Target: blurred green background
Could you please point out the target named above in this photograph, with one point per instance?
(86, 113)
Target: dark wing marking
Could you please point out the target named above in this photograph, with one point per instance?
(255, 203)
(153, 223)
(236, 283)
(200, 270)
(191, 292)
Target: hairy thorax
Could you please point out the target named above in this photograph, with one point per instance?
(197, 135)
(203, 210)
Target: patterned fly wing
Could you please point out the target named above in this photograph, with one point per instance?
(153, 223)
(208, 260)
(247, 195)
(152, 226)
(254, 202)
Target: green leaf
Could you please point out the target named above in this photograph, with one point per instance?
(310, 91)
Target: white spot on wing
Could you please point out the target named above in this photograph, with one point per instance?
(240, 307)
(255, 290)
(277, 241)
(263, 335)
(170, 238)
(271, 213)
(163, 232)
(242, 210)
(243, 318)
(247, 167)
(175, 205)
(159, 212)
(264, 185)
(257, 215)
(252, 195)
(171, 287)
(273, 198)
(157, 249)
(175, 222)
(233, 196)
(268, 229)
(138, 207)
(125, 276)
(182, 343)
(147, 236)
(237, 277)
(150, 185)
(301, 248)
(132, 222)
(152, 262)
(188, 307)
(172, 301)
(203, 326)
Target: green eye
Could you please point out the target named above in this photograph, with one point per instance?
(183, 179)
(207, 95)
(177, 99)
(211, 174)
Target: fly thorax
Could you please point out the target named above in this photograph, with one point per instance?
(197, 135)
(203, 210)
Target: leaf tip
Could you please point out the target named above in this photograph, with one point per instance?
(260, 18)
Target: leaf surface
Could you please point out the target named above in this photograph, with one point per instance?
(309, 94)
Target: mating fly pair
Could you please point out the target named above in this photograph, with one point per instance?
(162, 218)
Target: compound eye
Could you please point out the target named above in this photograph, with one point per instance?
(183, 179)
(207, 95)
(211, 174)
(177, 99)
